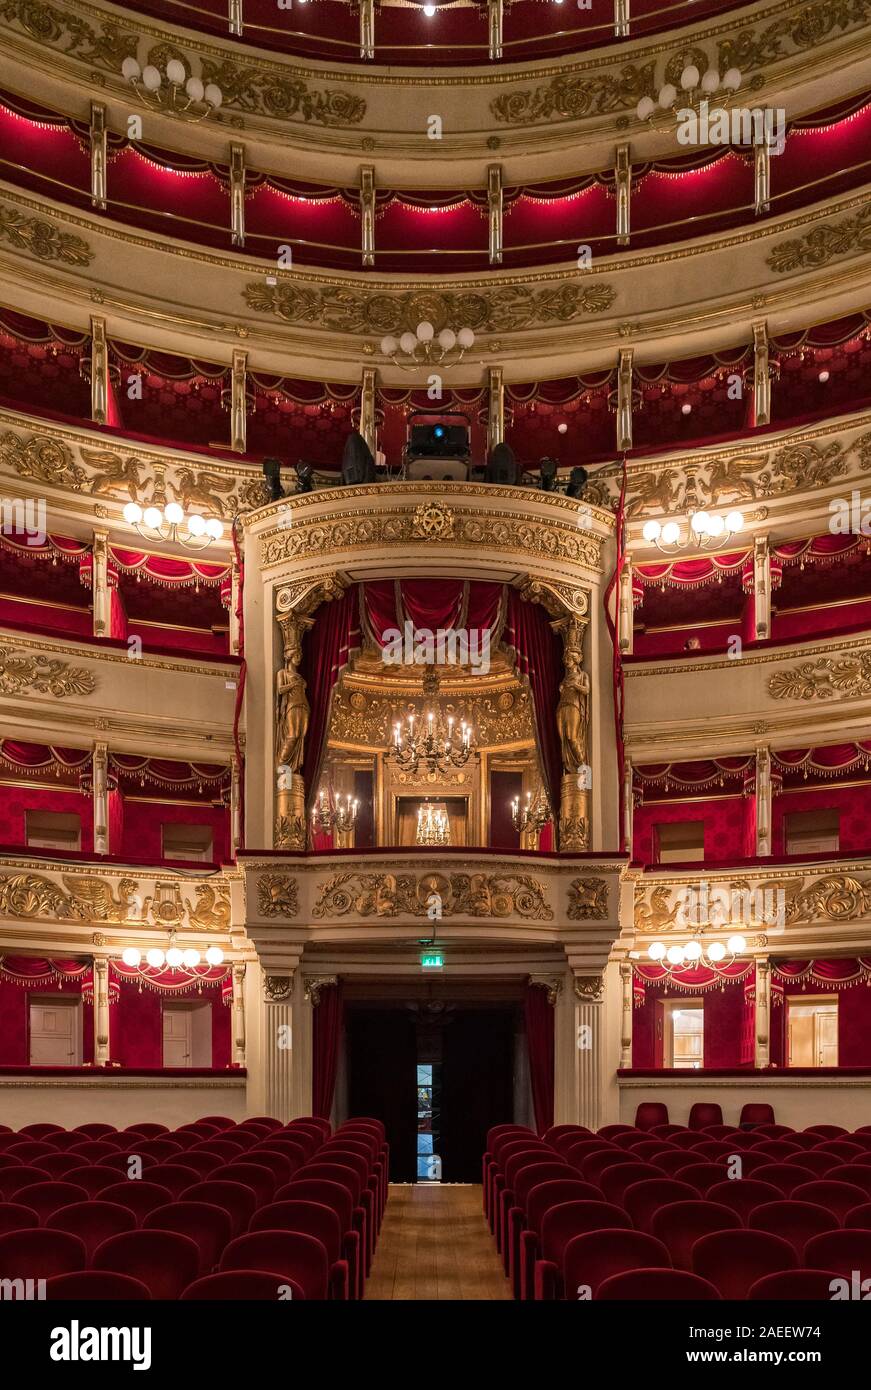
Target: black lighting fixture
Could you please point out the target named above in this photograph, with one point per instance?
(442, 439)
(502, 466)
(577, 482)
(304, 476)
(358, 463)
(272, 474)
(547, 471)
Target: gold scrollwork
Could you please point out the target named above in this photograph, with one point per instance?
(42, 675)
(42, 239)
(588, 900)
(823, 243)
(824, 679)
(462, 895)
(277, 895)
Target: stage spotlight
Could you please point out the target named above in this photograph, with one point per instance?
(502, 466)
(440, 441)
(272, 474)
(304, 475)
(358, 465)
(547, 469)
(577, 482)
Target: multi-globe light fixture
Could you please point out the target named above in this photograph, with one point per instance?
(172, 92)
(706, 529)
(165, 523)
(695, 87)
(691, 954)
(424, 347)
(175, 958)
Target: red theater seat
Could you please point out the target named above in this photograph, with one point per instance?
(282, 1165)
(14, 1216)
(339, 1200)
(859, 1219)
(816, 1165)
(47, 1197)
(825, 1131)
(30, 1150)
(836, 1197)
(40, 1254)
(592, 1166)
(608, 1131)
(642, 1200)
(93, 1180)
(175, 1177)
(539, 1201)
(13, 1179)
(651, 1113)
(786, 1177)
(244, 1285)
(237, 1200)
(139, 1197)
(795, 1286)
(704, 1113)
(93, 1222)
(657, 1286)
(528, 1177)
(859, 1174)
(561, 1224)
(299, 1257)
(95, 1286)
(842, 1251)
(207, 1225)
(680, 1224)
(592, 1258)
(58, 1165)
(200, 1163)
(614, 1182)
(842, 1149)
(257, 1176)
(147, 1130)
(164, 1261)
(164, 1149)
(701, 1176)
(223, 1121)
(311, 1219)
(734, 1260)
(756, 1113)
(743, 1195)
(777, 1149)
(39, 1131)
(555, 1131)
(93, 1150)
(94, 1131)
(796, 1222)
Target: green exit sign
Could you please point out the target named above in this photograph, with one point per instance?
(432, 960)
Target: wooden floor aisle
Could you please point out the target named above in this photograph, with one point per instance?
(435, 1244)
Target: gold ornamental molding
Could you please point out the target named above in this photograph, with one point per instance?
(823, 243)
(370, 526)
(794, 899)
(507, 308)
(277, 895)
(588, 900)
(313, 986)
(42, 675)
(823, 679)
(590, 989)
(277, 989)
(42, 240)
(386, 895)
(152, 900)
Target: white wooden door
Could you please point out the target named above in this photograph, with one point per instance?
(55, 1033)
(176, 1037)
(827, 1037)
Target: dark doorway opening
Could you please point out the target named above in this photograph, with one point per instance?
(438, 1074)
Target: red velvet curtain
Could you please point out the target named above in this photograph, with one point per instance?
(539, 658)
(540, 1043)
(326, 1043)
(325, 651)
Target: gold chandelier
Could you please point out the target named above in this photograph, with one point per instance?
(431, 743)
(433, 824)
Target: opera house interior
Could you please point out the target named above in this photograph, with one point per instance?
(435, 651)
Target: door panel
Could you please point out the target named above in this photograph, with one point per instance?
(477, 1087)
(55, 1033)
(176, 1037)
(382, 1079)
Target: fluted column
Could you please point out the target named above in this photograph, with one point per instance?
(763, 1012)
(623, 187)
(495, 407)
(238, 403)
(626, 610)
(101, 1011)
(99, 191)
(367, 213)
(237, 194)
(100, 798)
(763, 801)
(100, 595)
(234, 633)
(235, 806)
(99, 372)
(624, 399)
(628, 805)
(627, 1001)
(367, 29)
(761, 376)
(494, 23)
(762, 176)
(589, 1012)
(494, 209)
(761, 588)
(239, 1014)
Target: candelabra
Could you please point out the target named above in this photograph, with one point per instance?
(532, 817)
(428, 745)
(706, 530)
(186, 98)
(327, 816)
(433, 825)
(152, 523)
(694, 89)
(422, 348)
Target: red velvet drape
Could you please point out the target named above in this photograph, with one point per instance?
(540, 1043)
(539, 658)
(325, 651)
(326, 1043)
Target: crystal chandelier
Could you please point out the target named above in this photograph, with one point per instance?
(706, 530)
(433, 825)
(165, 524)
(694, 89)
(430, 744)
(422, 348)
(327, 816)
(533, 816)
(179, 96)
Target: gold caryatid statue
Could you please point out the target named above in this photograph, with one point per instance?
(293, 717)
(572, 715)
(291, 726)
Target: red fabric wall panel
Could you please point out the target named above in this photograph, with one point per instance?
(17, 801)
(13, 1025)
(854, 1027)
(51, 151)
(273, 217)
(724, 1026)
(854, 804)
(723, 820)
(819, 620)
(221, 1029)
(37, 617)
(161, 199)
(681, 201)
(135, 1028)
(644, 1032)
(143, 822)
(504, 786)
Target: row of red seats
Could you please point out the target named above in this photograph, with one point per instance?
(702, 1115)
(808, 1201)
(213, 1210)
